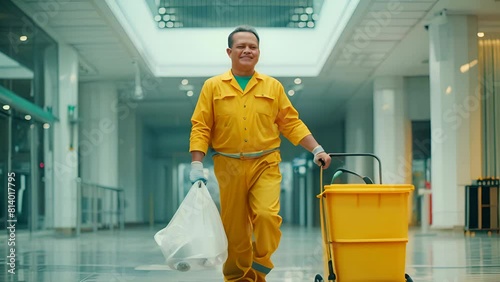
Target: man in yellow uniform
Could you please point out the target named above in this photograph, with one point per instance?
(241, 114)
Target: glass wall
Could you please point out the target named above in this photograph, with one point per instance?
(28, 93)
(25, 52)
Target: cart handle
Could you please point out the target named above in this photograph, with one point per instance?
(360, 155)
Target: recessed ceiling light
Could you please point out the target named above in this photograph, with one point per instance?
(23, 38)
(46, 126)
(185, 82)
(27, 117)
(480, 34)
(297, 80)
(189, 93)
(291, 92)
(6, 107)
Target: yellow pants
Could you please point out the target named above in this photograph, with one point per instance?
(249, 201)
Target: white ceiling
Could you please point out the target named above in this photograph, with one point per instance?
(180, 52)
(398, 47)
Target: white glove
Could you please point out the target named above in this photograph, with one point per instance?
(317, 151)
(197, 173)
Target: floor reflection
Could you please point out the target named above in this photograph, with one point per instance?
(132, 255)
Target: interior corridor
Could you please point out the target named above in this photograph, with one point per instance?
(132, 255)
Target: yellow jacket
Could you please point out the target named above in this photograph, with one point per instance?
(234, 121)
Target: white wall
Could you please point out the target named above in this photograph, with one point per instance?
(98, 143)
(98, 132)
(149, 173)
(129, 156)
(417, 89)
(359, 136)
(391, 129)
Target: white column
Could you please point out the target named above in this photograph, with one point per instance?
(359, 136)
(130, 160)
(392, 134)
(66, 144)
(98, 144)
(98, 133)
(51, 82)
(455, 116)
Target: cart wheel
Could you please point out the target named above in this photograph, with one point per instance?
(318, 278)
(408, 278)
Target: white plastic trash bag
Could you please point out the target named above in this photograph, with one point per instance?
(195, 238)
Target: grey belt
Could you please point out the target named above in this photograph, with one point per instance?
(251, 155)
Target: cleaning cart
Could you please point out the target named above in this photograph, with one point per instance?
(364, 228)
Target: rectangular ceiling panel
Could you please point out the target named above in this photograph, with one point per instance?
(58, 6)
(402, 6)
(61, 23)
(383, 16)
(372, 23)
(387, 29)
(71, 15)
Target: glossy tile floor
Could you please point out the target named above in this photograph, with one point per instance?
(132, 255)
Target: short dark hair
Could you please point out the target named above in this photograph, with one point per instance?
(241, 28)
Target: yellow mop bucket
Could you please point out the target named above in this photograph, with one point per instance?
(365, 229)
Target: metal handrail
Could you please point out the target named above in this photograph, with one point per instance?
(96, 194)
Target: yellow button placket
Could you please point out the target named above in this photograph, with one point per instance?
(244, 102)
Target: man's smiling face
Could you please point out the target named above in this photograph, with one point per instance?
(245, 51)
